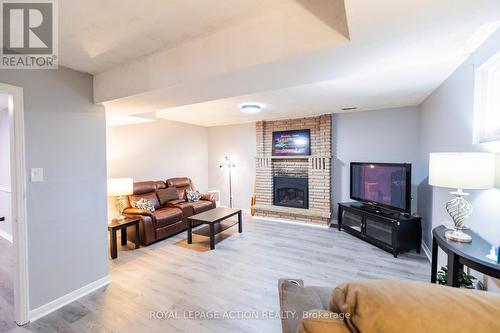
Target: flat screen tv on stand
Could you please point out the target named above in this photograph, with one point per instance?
(382, 186)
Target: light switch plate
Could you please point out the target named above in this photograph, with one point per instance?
(36, 175)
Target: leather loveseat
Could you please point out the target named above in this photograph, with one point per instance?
(168, 218)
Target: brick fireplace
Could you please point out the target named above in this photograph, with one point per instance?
(294, 187)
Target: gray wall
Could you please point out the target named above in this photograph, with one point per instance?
(5, 194)
(65, 135)
(446, 125)
(239, 143)
(390, 135)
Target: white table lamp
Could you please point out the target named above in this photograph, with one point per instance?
(119, 188)
(471, 171)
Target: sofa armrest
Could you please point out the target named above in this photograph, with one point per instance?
(147, 230)
(207, 197)
(138, 211)
(297, 299)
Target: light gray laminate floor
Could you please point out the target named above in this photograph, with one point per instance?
(6, 285)
(240, 275)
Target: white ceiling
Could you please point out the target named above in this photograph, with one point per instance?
(98, 35)
(156, 58)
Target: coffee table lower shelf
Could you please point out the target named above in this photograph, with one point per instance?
(215, 221)
(218, 228)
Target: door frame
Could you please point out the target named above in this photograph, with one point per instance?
(19, 207)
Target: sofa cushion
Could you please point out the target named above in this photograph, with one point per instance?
(201, 206)
(144, 204)
(167, 194)
(322, 321)
(148, 196)
(144, 187)
(167, 216)
(408, 306)
(181, 184)
(160, 184)
(176, 202)
(193, 196)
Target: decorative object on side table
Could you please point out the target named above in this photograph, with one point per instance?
(119, 188)
(229, 165)
(493, 255)
(472, 171)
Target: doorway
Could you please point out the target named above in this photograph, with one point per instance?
(13, 231)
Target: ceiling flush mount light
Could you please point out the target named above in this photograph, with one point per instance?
(250, 108)
(349, 108)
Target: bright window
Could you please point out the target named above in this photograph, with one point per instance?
(487, 101)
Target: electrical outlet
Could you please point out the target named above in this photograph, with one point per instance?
(36, 175)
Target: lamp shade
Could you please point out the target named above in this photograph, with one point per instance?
(120, 186)
(473, 171)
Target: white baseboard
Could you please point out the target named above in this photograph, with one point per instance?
(427, 252)
(5, 235)
(243, 210)
(296, 222)
(68, 298)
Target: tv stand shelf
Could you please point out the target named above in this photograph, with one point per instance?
(390, 231)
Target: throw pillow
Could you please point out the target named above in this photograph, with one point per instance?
(193, 196)
(167, 194)
(144, 204)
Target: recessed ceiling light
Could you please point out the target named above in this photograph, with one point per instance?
(250, 108)
(349, 108)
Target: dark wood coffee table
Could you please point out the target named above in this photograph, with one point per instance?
(215, 224)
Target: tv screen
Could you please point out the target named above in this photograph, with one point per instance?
(292, 143)
(383, 184)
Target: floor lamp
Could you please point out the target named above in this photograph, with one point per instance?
(229, 165)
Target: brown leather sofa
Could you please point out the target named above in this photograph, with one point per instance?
(182, 184)
(166, 220)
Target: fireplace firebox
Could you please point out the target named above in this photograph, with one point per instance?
(291, 192)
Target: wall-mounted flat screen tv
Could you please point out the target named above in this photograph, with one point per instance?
(292, 143)
(382, 184)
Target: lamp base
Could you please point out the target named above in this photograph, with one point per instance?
(120, 206)
(459, 209)
(458, 235)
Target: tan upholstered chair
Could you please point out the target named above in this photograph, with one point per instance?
(386, 306)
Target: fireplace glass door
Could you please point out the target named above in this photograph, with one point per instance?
(291, 192)
(291, 197)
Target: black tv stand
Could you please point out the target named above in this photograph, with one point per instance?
(376, 210)
(389, 230)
